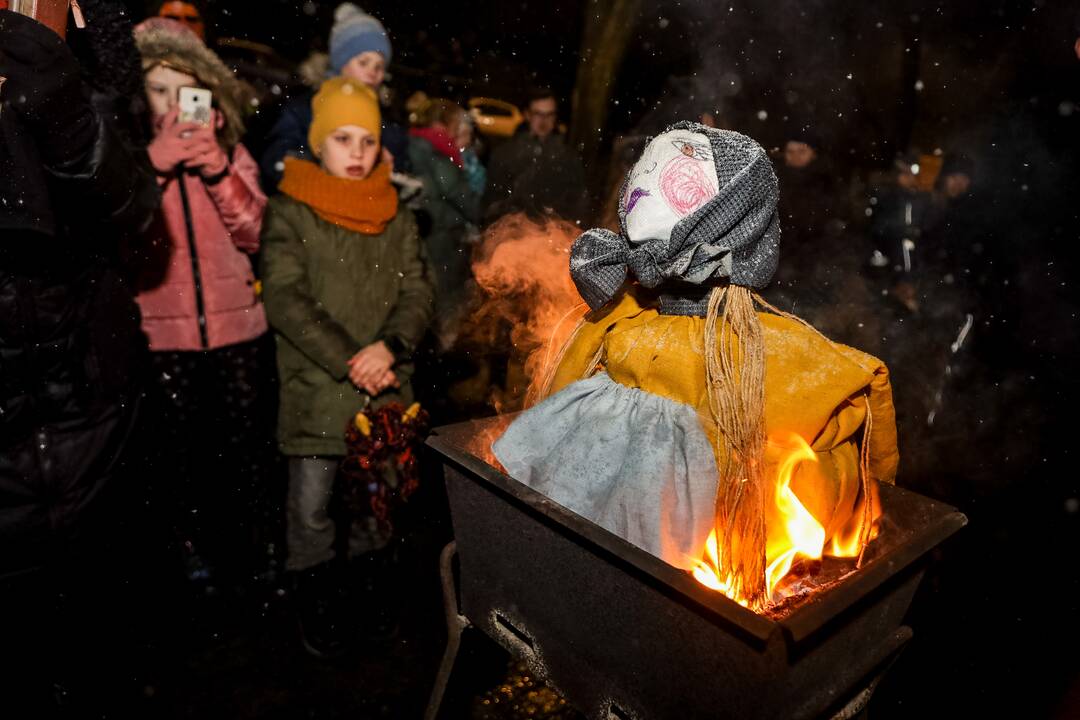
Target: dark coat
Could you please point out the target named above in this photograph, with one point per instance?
(70, 344)
(533, 175)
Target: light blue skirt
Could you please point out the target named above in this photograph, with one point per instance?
(635, 463)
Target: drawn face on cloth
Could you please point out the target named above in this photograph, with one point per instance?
(674, 177)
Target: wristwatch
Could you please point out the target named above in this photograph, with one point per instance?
(397, 347)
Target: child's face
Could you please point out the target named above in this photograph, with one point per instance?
(368, 67)
(350, 152)
(163, 89)
(674, 177)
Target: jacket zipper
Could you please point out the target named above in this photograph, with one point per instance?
(25, 294)
(200, 309)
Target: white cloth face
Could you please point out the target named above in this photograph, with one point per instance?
(675, 175)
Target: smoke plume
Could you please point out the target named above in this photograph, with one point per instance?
(527, 299)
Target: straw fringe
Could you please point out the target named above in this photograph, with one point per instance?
(867, 489)
(735, 377)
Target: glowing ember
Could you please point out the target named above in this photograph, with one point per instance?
(798, 534)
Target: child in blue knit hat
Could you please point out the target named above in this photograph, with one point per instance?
(359, 46)
(359, 49)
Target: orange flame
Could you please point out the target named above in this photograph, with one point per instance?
(705, 571)
(522, 270)
(798, 533)
(847, 542)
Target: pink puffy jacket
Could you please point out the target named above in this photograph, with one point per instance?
(207, 299)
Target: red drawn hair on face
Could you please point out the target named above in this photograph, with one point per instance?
(685, 184)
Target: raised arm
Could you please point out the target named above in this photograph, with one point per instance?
(240, 201)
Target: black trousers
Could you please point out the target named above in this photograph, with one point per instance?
(81, 627)
(219, 475)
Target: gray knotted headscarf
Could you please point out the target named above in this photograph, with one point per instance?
(741, 220)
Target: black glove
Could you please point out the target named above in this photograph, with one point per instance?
(44, 86)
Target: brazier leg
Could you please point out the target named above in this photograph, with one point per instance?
(857, 707)
(455, 625)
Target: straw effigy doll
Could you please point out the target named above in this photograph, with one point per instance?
(676, 397)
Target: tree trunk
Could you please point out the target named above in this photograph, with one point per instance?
(608, 28)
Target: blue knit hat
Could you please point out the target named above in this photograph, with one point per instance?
(355, 32)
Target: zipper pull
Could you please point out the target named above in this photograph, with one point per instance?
(76, 11)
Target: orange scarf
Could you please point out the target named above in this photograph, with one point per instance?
(365, 206)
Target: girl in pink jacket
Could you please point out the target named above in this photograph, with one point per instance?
(200, 303)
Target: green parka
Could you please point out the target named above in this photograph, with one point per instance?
(329, 292)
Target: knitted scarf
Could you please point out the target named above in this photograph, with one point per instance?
(364, 206)
(441, 141)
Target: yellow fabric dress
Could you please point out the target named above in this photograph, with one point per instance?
(820, 390)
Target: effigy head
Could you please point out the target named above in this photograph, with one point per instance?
(699, 205)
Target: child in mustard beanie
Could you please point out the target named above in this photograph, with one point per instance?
(341, 101)
(349, 296)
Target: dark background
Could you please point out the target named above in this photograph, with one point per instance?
(996, 617)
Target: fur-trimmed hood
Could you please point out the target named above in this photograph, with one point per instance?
(166, 42)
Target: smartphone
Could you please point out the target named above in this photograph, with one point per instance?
(195, 104)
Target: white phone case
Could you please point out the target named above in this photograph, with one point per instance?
(195, 105)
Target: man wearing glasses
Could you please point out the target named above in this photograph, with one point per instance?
(536, 171)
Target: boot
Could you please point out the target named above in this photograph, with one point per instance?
(321, 612)
(374, 585)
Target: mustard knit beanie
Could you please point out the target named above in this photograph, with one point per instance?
(342, 101)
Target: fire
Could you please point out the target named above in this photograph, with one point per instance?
(846, 544)
(800, 533)
(848, 541)
(705, 570)
(521, 268)
(796, 534)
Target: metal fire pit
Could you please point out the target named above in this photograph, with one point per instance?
(621, 634)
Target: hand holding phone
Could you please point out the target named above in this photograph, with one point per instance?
(177, 142)
(196, 106)
(207, 155)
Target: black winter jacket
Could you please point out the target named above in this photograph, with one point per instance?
(70, 344)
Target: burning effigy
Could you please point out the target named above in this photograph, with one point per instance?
(686, 414)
